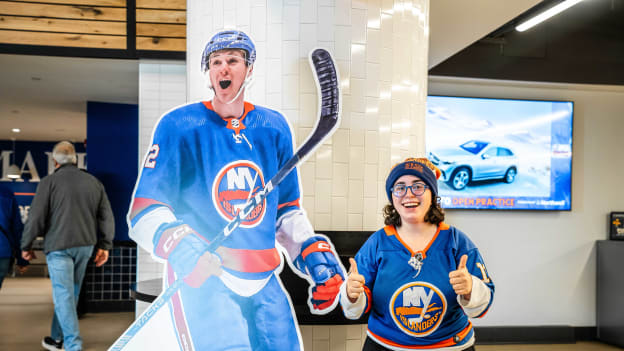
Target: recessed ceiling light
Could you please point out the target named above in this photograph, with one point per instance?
(35, 78)
(16, 130)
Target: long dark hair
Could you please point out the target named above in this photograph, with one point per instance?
(435, 215)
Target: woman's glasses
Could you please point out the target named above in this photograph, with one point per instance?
(399, 190)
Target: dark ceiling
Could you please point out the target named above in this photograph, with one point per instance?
(584, 44)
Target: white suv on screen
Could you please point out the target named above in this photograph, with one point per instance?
(475, 160)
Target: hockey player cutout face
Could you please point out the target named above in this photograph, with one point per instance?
(412, 208)
(227, 71)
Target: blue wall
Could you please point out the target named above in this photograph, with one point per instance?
(112, 145)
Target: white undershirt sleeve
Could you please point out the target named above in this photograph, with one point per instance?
(479, 298)
(351, 310)
(293, 228)
(144, 229)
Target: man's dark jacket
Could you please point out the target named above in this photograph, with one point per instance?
(70, 209)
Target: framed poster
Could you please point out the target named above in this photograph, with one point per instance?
(616, 222)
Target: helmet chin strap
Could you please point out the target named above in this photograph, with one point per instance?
(248, 80)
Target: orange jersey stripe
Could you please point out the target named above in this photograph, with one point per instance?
(250, 261)
(141, 203)
(444, 343)
(291, 203)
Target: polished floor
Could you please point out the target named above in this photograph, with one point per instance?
(26, 311)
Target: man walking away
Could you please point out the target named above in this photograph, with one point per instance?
(72, 212)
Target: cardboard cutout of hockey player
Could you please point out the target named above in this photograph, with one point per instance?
(206, 161)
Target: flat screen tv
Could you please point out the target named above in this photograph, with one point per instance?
(501, 153)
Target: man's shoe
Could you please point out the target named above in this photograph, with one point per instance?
(50, 344)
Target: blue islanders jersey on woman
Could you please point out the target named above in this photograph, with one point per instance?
(411, 309)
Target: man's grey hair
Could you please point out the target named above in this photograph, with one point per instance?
(64, 153)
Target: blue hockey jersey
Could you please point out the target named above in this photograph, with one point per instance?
(204, 168)
(411, 309)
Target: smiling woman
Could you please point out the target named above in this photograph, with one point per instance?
(421, 278)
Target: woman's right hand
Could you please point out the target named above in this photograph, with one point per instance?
(355, 282)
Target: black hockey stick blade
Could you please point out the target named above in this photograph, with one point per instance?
(327, 83)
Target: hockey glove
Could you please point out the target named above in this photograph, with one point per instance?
(186, 252)
(318, 260)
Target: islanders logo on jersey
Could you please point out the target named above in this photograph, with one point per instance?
(233, 186)
(417, 308)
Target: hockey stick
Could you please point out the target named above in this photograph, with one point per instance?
(326, 76)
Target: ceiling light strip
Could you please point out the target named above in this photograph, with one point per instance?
(546, 15)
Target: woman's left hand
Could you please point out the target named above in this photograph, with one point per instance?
(461, 279)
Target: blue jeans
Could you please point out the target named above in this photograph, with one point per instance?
(4, 268)
(67, 269)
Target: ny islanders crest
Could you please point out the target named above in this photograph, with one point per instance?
(417, 308)
(233, 186)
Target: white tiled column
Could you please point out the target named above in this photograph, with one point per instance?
(381, 49)
(162, 86)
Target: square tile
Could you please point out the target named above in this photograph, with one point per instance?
(358, 99)
(274, 11)
(372, 212)
(387, 30)
(308, 178)
(358, 122)
(358, 61)
(274, 41)
(326, 23)
(320, 345)
(306, 78)
(340, 180)
(290, 57)
(322, 221)
(243, 13)
(306, 335)
(354, 332)
(356, 196)
(343, 12)
(308, 206)
(339, 213)
(309, 11)
(356, 137)
(323, 161)
(374, 13)
(371, 179)
(356, 162)
(340, 146)
(274, 71)
(354, 221)
(320, 332)
(342, 38)
(290, 93)
(322, 199)
(338, 338)
(290, 30)
(308, 112)
(258, 24)
(308, 39)
(373, 46)
(358, 26)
